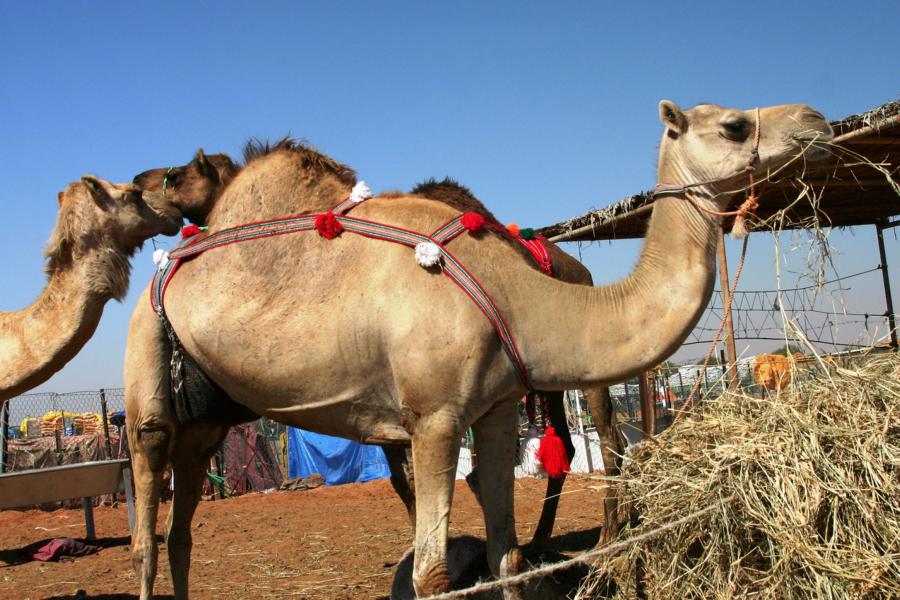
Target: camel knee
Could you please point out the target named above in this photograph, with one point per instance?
(155, 442)
(434, 580)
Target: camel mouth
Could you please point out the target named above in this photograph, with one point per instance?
(169, 215)
(814, 143)
(171, 224)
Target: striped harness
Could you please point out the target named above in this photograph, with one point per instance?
(451, 267)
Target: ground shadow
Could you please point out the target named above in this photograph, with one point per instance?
(574, 541)
(106, 597)
(467, 562)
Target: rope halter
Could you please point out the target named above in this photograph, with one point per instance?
(748, 207)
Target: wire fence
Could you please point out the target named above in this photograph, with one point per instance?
(45, 430)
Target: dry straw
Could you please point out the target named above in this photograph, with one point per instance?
(809, 484)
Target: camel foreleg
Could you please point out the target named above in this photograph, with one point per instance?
(435, 450)
(150, 444)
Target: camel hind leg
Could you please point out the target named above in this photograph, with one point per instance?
(557, 418)
(495, 438)
(399, 459)
(195, 444)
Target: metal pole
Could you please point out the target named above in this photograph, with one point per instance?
(648, 405)
(4, 444)
(628, 401)
(880, 226)
(729, 324)
(723, 365)
(582, 431)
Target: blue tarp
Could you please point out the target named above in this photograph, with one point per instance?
(336, 459)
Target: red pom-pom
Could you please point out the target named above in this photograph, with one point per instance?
(552, 454)
(328, 226)
(189, 231)
(472, 221)
(513, 229)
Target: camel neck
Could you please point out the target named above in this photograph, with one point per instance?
(40, 339)
(613, 332)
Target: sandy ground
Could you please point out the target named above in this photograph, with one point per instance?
(325, 543)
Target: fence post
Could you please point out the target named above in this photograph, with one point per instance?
(4, 446)
(103, 411)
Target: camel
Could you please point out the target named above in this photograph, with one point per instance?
(349, 336)
(192, 188)
(98, 229)
(195, 187)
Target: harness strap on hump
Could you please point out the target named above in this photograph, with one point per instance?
(451, 266)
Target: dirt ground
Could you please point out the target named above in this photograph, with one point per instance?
(326, 543)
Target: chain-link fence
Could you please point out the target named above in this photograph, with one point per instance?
(49, 429)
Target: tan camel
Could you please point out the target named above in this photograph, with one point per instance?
(98, 229)
(351, 337)
(194, 188)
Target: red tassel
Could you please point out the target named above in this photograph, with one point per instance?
(472, 221)
(552, 454)
(189, 231)
(328, 226)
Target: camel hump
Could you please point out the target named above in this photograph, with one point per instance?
(451, 192)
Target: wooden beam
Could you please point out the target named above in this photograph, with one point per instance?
(648, 404)
(730, 348)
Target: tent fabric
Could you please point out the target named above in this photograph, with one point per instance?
(249, 462)
(338, 460)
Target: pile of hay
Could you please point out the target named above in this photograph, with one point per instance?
(805, 487)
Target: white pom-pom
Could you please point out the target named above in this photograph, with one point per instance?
(360, 192)
(160, 258)
(428, 254)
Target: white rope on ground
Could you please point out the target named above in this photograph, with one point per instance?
(583, 558)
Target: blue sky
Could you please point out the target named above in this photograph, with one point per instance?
(544, 109)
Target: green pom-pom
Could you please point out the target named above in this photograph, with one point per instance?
(527, 233)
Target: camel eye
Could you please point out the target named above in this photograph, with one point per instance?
(170, 179)
(735, 129)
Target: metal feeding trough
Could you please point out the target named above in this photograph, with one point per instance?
(82, 480)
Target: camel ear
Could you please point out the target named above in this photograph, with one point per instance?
(203, 164)
(96, 189)
(672, 117)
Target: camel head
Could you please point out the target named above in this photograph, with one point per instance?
(114, 217)
(193, 188)
(709, 143)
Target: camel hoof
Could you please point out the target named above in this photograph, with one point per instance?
(435, 581)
